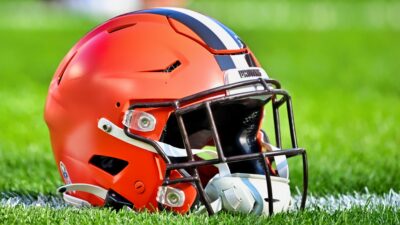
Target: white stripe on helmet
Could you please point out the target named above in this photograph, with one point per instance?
(218, 30)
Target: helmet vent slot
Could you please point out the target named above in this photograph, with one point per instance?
(168, 69)
(172, 67)
(108, 164)
(118, 28)
(60, 76)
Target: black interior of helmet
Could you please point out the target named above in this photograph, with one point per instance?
(108, 164)
(237, 124)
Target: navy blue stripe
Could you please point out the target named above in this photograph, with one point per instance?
(250, 61)
(225, 62)
(209, 37)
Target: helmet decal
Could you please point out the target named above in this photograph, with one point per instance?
(64, 173)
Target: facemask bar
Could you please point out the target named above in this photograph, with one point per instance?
(271, 88)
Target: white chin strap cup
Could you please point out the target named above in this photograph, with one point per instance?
(247, 193)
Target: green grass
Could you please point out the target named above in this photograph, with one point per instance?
(28, 63)
(346, 102)
(346, 94)
(36, 215)
(345, 89)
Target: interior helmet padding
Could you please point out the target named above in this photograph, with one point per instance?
(237, 124)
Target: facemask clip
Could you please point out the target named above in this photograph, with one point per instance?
(170, 196)
(140, 121)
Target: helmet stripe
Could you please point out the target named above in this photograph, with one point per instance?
(237, 39)
(227, 36)
(216, 35)
(241, 61)
(213, 33)
(225, 62)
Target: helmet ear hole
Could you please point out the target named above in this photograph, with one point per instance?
(109, 165)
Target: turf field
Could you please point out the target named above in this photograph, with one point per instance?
(339, 60)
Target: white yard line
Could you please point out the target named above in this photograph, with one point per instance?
(13, 200)
(340, 202)
(329, 203)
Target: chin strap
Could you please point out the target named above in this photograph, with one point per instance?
(169, 150)
(248, 193)
(89, 188)
(74, 201)
(111, 198)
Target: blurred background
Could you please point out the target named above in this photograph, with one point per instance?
(340, 60)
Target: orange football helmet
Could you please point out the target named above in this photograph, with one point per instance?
(162, 109)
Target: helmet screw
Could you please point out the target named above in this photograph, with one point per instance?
(139, 187)
(173, 197)
(144, 122)
(107, 128)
